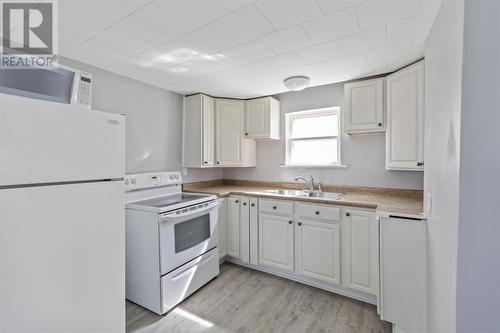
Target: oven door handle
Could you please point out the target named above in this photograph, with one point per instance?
(175, 216)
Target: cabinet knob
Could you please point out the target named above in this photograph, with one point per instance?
(205, 162)
(253, 205)
(347, 214)
(237, 201)
(317, 212)
(290, 222)
(244, 204)
(218, 162)
(274, 207)
(420, 163)
(246, 133)
(300, 223)
(379, 124)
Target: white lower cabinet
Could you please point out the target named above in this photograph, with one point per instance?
(222, 223)
(317, 250)
(327, 246)
(242, 228)
(276, 241)
(360, 251)
(233, 226)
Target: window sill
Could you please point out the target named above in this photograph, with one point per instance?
(312, 166)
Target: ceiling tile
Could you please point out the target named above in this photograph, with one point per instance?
(247, 53)
(332, 27)
(368, 70)
(255, 70)
(332, 6)
(320, 52)
(209, 39)
(283, 62)
(79, 20)
(363, 41)
(347, 63)
(243, 25)
(206, 66)
(312, 70)
(402, 29)
(384, 53)
(233, 5)
(330, 78)
(285, 13)
(375, 13)
(287, 40)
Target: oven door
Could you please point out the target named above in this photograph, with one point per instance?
(186, 234)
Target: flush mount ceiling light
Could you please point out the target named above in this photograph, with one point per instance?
(296, 83)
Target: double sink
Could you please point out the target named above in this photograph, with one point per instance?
(306, 194)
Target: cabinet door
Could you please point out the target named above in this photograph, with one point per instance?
(318, 250)
(254, 229)
(257, 118)
(276, 242)
(245, 229)
(365, 106)
(233, 227)
(229, 132)
(360, 249)
(222, 228)
(405, 119)
(208, 130)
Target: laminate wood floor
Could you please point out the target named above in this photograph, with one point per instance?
(245, 300)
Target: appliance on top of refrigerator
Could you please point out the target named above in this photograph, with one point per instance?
(62, 229)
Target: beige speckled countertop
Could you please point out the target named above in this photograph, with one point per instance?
(404, 202)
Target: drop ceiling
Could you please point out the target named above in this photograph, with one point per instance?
(243, 48)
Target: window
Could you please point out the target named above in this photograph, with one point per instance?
(313, 137)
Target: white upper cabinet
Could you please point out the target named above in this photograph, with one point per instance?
(231, 146)
(213, 133)
(364, 106)
(198, 131)
(262, 119)
(405, 119)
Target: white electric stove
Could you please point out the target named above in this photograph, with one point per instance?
(171, 240)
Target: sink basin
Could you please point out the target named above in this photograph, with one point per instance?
(325, 195)
(300, 193)
(297, 193)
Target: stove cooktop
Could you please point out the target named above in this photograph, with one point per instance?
(170, 202)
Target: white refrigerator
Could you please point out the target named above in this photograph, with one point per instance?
(62, 238)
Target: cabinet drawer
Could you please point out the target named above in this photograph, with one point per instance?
(324, 212)
(276, 207)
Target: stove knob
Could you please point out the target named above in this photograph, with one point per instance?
(133, 181)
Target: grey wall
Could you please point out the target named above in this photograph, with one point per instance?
(478, 281)
(443, 88)
(365, 154)
(154, 121)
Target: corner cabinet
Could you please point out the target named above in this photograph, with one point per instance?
(213, 133)
(364, 106)
(232, 148)
(405, 119)
(262, 119)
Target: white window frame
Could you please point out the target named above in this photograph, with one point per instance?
(313, 113)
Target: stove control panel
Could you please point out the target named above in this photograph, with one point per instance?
(151, 180)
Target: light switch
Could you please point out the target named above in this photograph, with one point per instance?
(428, 204)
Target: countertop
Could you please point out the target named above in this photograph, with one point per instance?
(386, 201)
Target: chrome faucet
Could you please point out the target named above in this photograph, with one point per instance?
(310, 182)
